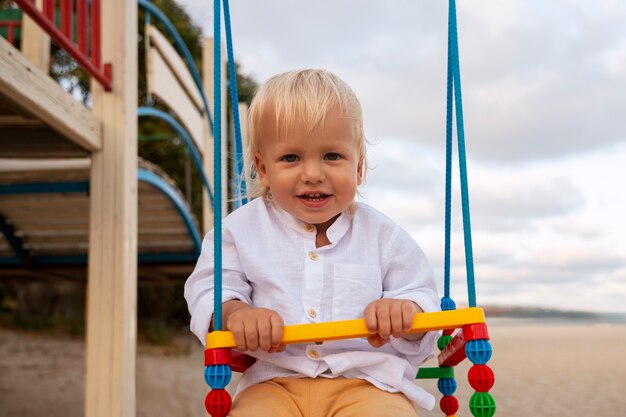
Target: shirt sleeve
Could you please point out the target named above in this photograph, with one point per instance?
(408, 275)
(199, 288)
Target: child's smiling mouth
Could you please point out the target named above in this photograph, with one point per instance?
(314, 197)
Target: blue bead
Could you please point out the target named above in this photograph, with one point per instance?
(447, 303)
(217, 376)
(478, 351)
(446, 386)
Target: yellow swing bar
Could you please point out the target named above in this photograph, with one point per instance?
(346, 329)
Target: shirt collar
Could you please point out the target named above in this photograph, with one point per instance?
(335, 232)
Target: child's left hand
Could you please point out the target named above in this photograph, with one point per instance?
(390, 317)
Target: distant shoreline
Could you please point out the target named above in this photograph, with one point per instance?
(553, 315)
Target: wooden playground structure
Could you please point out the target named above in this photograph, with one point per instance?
(74, 197)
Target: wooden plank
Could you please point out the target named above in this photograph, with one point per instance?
(156, 222)
(48, 224)
(76, 205)
(18, 120)
(112, 283)
(176, 64)
(54, 233)
(51, 248)
(28, 215)
(37, 165)
(37, 142)
(32, 89)
(35, 42)
(158, 234)
(164, 84)
(168, 244)
(58, 238)
(207, 76)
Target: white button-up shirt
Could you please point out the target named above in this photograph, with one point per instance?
(270, 260)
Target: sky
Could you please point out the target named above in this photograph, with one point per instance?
(544, 93)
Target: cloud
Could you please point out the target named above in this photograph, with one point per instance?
(539, 78)
(544, 124)
(503, 198)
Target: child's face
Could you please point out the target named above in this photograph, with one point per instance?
(313, 176)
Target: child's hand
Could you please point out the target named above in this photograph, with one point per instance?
(390, 317)
(254, 327)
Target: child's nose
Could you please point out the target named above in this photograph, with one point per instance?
(313, 171)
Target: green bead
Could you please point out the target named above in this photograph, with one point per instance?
(443, 342)
(482, 404)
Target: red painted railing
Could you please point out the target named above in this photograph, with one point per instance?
(87, 56)
(11, 25)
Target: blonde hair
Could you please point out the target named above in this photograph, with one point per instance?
(302, 96)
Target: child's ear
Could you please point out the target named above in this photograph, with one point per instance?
(261, 169)
(359, 172)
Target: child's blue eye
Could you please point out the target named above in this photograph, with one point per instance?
(333, 156)
(290, 158)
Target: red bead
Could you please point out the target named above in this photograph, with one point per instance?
(219, 356)
(475, 331)
(448, 332)
(481, 378)
(449, 404)
(218, 403)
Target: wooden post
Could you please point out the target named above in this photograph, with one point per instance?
(207, 75)
(35, 42)
(112, 281)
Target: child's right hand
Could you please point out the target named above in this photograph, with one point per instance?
(254, 327)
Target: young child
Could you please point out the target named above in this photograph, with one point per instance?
(305, 252)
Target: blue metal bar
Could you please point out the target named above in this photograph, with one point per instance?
(176, 199)
(195, 154)
(182, 48)
(45, 187)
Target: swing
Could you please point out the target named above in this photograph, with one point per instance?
(471, 341)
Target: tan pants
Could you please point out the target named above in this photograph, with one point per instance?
(320, 397)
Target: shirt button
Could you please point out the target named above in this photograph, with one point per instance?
(309, 228)
(313, 256)
(314, 354)
(312, 313)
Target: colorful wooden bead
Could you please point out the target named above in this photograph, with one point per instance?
(481, 378)
(443, 341)
(478, 351)
(482, 404)
(217, 376)
(447, 386)
(449, 404)
(218, 403)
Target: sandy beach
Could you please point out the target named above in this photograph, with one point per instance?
(546, 369)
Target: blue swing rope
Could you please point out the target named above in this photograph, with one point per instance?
(454, 87)
(217, 166)
(240, 188)
(240, 183)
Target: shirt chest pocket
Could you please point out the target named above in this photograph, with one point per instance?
(354, 287)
